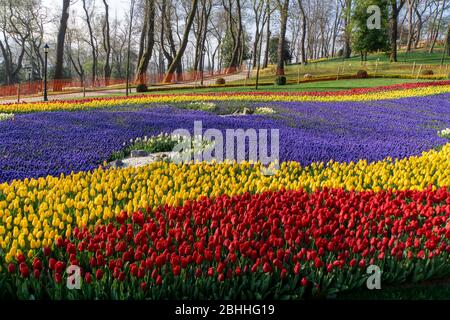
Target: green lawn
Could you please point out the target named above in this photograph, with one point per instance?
(304, 87)
(409, 64)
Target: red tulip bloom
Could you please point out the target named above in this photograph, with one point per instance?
(421, 254)
(88, 278)
(60, 266)
(144, 286)
(11, 268)
(176, 271)
(36, 273)
(60, 243)
(52, 263)
(20, 258)
(58, 278)
(304, 282)
(267, 268)
(99, 274)
(297, 268)
(24, 271)
(47, 251)
(159, 280)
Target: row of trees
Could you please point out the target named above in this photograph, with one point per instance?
(89, 40)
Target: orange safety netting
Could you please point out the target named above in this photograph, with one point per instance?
(37, 87)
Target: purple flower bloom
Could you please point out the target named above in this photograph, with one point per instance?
(51, 143)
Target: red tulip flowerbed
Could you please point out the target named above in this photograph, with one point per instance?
(282, 245)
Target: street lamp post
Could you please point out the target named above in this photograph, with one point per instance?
(30, 71)
(249, 66)
(46, 47)
(202, 66)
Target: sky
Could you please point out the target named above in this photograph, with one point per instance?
(119, 7)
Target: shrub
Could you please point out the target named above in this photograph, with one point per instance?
(141, 88)
(200, 105)
(362, 74)
(448, 77)
(220, 81)
(280, 81)
(427, 72)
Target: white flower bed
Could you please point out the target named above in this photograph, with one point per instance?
(445, 133)
(264, 110)
(6, 116)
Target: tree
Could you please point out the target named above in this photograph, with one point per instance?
(396, 7)
(347, 12)
(438, 27)
(14, 28)
(106, 44)
(448, 39)
(147, 41)
(283, 7)
(92, 42)
(367, 40)
(273, 50)
(60, 45)
(259, 10)
(303, 37)
(268, 35)
(169, 75)
(236, 35)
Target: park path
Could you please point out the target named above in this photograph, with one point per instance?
(106, 92)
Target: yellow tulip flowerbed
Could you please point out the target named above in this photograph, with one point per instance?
(359, 95)
(35, 212)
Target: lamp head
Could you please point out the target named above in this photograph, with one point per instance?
(46, 47)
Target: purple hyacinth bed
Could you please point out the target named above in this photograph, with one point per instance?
(50, 143)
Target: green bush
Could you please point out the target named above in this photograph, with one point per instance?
(280, 81)
(141, 88)
(362, 74)
(427, 72)
(220, 81)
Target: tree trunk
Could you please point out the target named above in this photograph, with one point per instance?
(411, 4)
(436, 34)
(448, 40)
(177, 60)
(60, 45)
(283, 7)
(268, 35)
(236, 56)
(303, 38)
(347, 29)
(147, 42)
(107, 45)
(394, 27)
(419, 27)
(92, 43)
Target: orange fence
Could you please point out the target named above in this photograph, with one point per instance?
(37, 87)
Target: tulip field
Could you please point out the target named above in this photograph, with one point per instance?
(363, 180)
